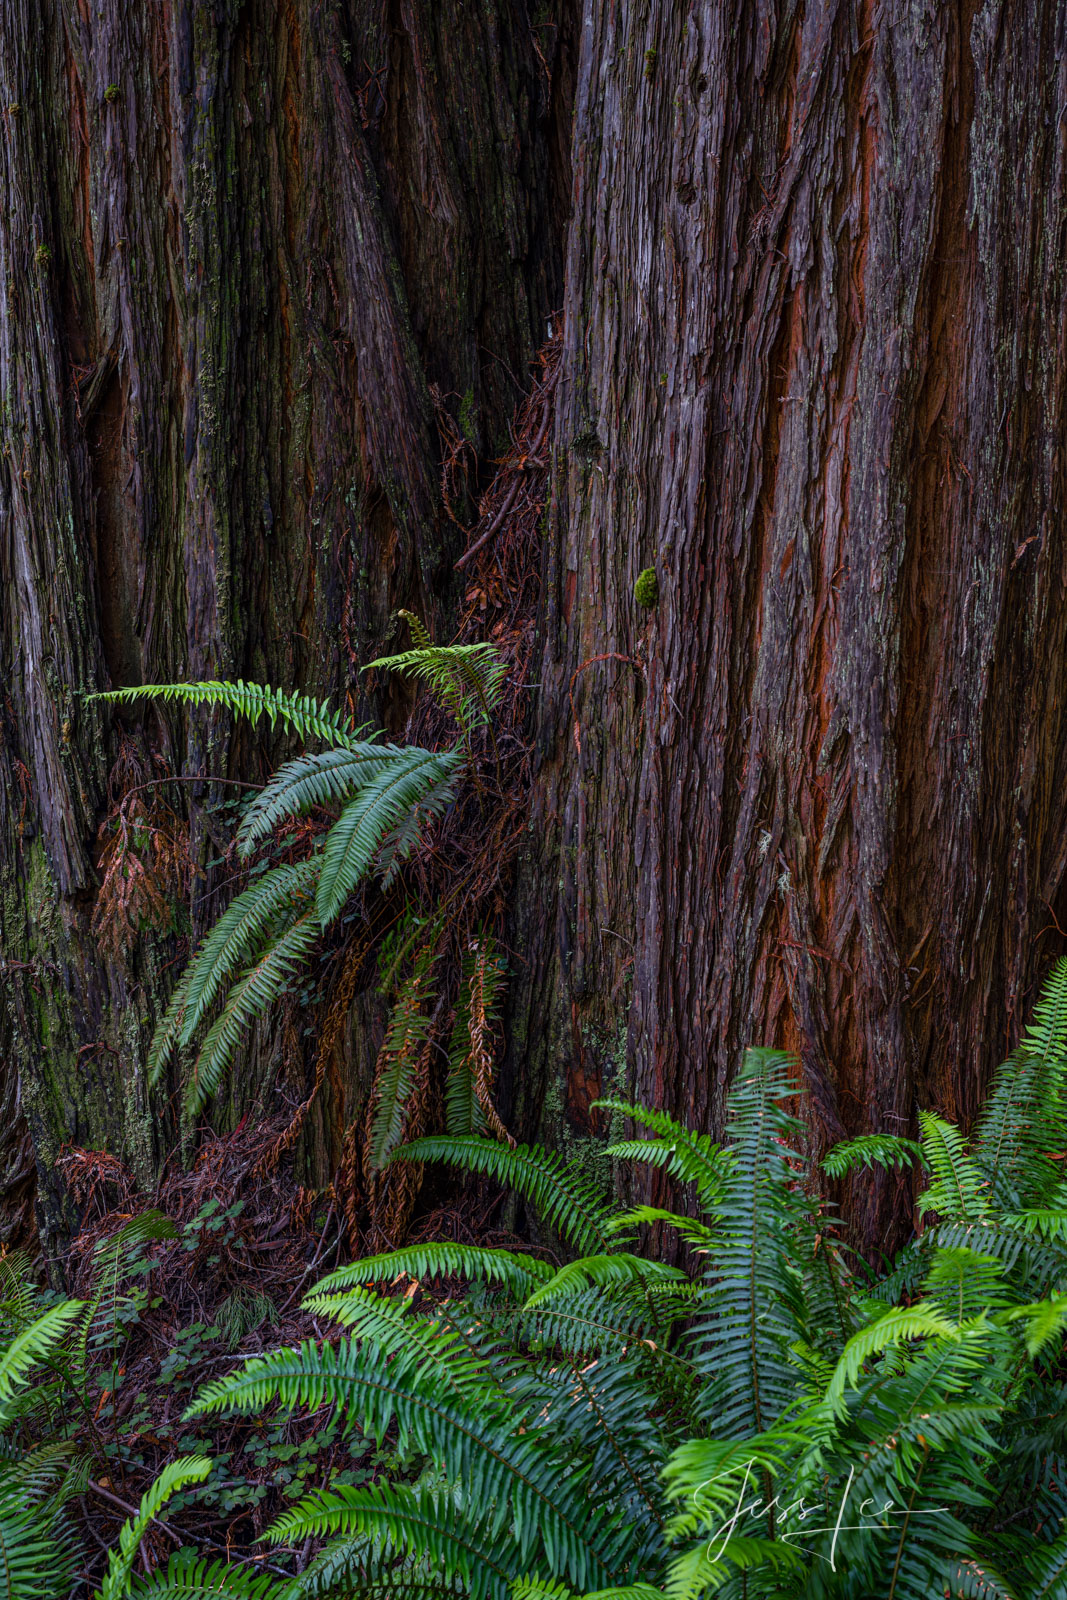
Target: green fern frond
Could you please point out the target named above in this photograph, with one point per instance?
(402, 840)
(254, 994)
(901, 1325)
(467, 679)
(702, 1475)
(559, 1191)
(188, 1576)
(601, 1271)
(18, 1295)
(751, 1299)
(755, 1569)
(298, 713)
(46, 1476)
(184, 1470)
(691, 1157)
(240, 932)
(1047, 1034)
(973, 1578)
(413, 1526)
(388, 1325)
(168, 1030)
(960, 1190)
(548, 1589)
(1024, 1119)
(324, 779)
(1044, 1321)
(36, 1561)
(696, 1234)
(964, 1282)
(340, 1569)
(406, 1038)
(441, 1259)
(32, 1345)
(416, 780)
(1043, 1567)
(482, 1443)
(1032, 1263)
(869, 1150)
(112, 1260)
(1046, 1224)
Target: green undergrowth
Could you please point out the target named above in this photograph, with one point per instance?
(761, 1413)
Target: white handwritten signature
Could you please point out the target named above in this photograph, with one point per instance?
(800, 1511)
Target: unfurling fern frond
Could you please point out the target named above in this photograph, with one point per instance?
(406, 1039)
(871, 1150)
(298, 713)
(468, 1094)
(415, 780)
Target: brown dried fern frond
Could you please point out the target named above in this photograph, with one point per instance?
(144, 861)
(469, 1093)
(336, 1016)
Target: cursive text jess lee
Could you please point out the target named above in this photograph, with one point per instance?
(801, 1512)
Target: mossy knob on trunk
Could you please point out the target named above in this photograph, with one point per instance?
(646, 589)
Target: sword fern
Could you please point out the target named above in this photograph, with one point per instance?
(387, 795)
(613, 1427)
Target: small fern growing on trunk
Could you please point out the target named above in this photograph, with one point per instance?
(387, 797)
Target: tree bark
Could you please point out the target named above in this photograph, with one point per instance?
(814, 376)
(240, 244)
(814, 302)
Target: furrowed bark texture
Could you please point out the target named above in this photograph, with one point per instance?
(239, 244)
(814, 293)
(815, 376)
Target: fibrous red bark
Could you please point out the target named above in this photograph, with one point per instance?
(813, 284)
(239, 245)
(814, 375)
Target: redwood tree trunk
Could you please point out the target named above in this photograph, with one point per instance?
(813, 280)
(816, 351)
(239, 244)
